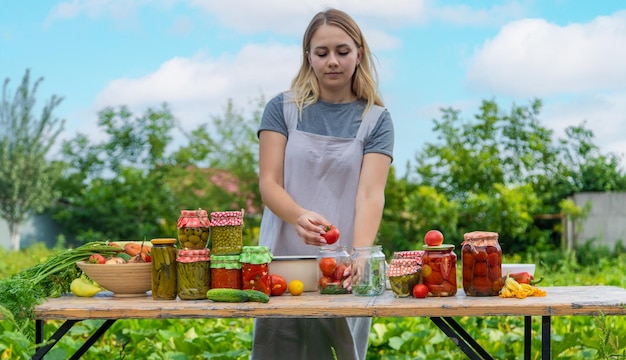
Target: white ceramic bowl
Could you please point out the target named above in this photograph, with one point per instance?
(303, 268)
(515, 268)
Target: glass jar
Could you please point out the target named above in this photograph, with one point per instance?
(439, 270)
(481, 257)
(226, 272)
(193, 274)
(163, 260)
(255, 273)
(403, 275)
(226, 232)
(332, 262)
(368, 271)
(193, 229)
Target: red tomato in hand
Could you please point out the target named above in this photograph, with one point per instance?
(420, 291)
(328, 266)
(278, 285)
(97, 259)
(331, 235)
(433, 238)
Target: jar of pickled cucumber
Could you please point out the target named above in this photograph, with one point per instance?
(369, 277)
(226, 232)
(193, 229)
(255, 273)
(193, 274)
(332, 263)
(404, 274)
(164, 273)
(439, 270)
(226, 272)
(481, 257)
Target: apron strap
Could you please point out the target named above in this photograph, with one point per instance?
(291, 114)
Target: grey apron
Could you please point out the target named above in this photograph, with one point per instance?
(321, 173)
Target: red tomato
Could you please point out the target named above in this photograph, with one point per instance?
(331, 235)
(328, 266)
(420, 291)
(341, 268)
(433, 238)
(97, 259)
(324, 281)
(278, 285)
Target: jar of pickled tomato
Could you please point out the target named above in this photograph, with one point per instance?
(226, 272)
(481, 257)
(439, 270)
(255, 273)
(332, 263)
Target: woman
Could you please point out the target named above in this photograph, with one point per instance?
(325, 151)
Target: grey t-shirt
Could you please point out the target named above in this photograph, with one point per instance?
(338, 120)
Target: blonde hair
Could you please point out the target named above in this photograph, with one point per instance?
(305, 86)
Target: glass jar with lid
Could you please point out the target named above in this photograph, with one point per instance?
(332, 262)
(439, 270)
(404, 274)
(193, 274)
(163, 254)
(193, 229)
(255, 273)
(226, 232)
(226, 272)
(481, 257)
(368, 271)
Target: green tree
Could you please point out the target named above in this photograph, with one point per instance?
(27, 178)
(502, 168)
(133, 183)
(118, 188)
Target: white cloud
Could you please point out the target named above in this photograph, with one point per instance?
(532, 57)
(604, 114)
(466, 15)
(198, 87)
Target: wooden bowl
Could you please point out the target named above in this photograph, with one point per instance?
(123, 280)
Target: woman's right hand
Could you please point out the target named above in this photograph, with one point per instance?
(310, 227)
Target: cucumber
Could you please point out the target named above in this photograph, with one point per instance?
(227, 295)
(258, 296)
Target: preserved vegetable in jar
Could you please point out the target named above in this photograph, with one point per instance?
(193, 274)
(255, 268)
(227, 232)
(226, 272)
(369, 277)
(193, 229)
(404, 274)
(481, 257)
(439, 270)
(332, 262)
(164, 275)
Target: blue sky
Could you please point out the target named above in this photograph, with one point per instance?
(197, 54)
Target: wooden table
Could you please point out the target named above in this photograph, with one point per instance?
(560, 301)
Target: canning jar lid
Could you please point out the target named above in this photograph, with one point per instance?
(256, 254)
(163, 241)
(442, 247)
